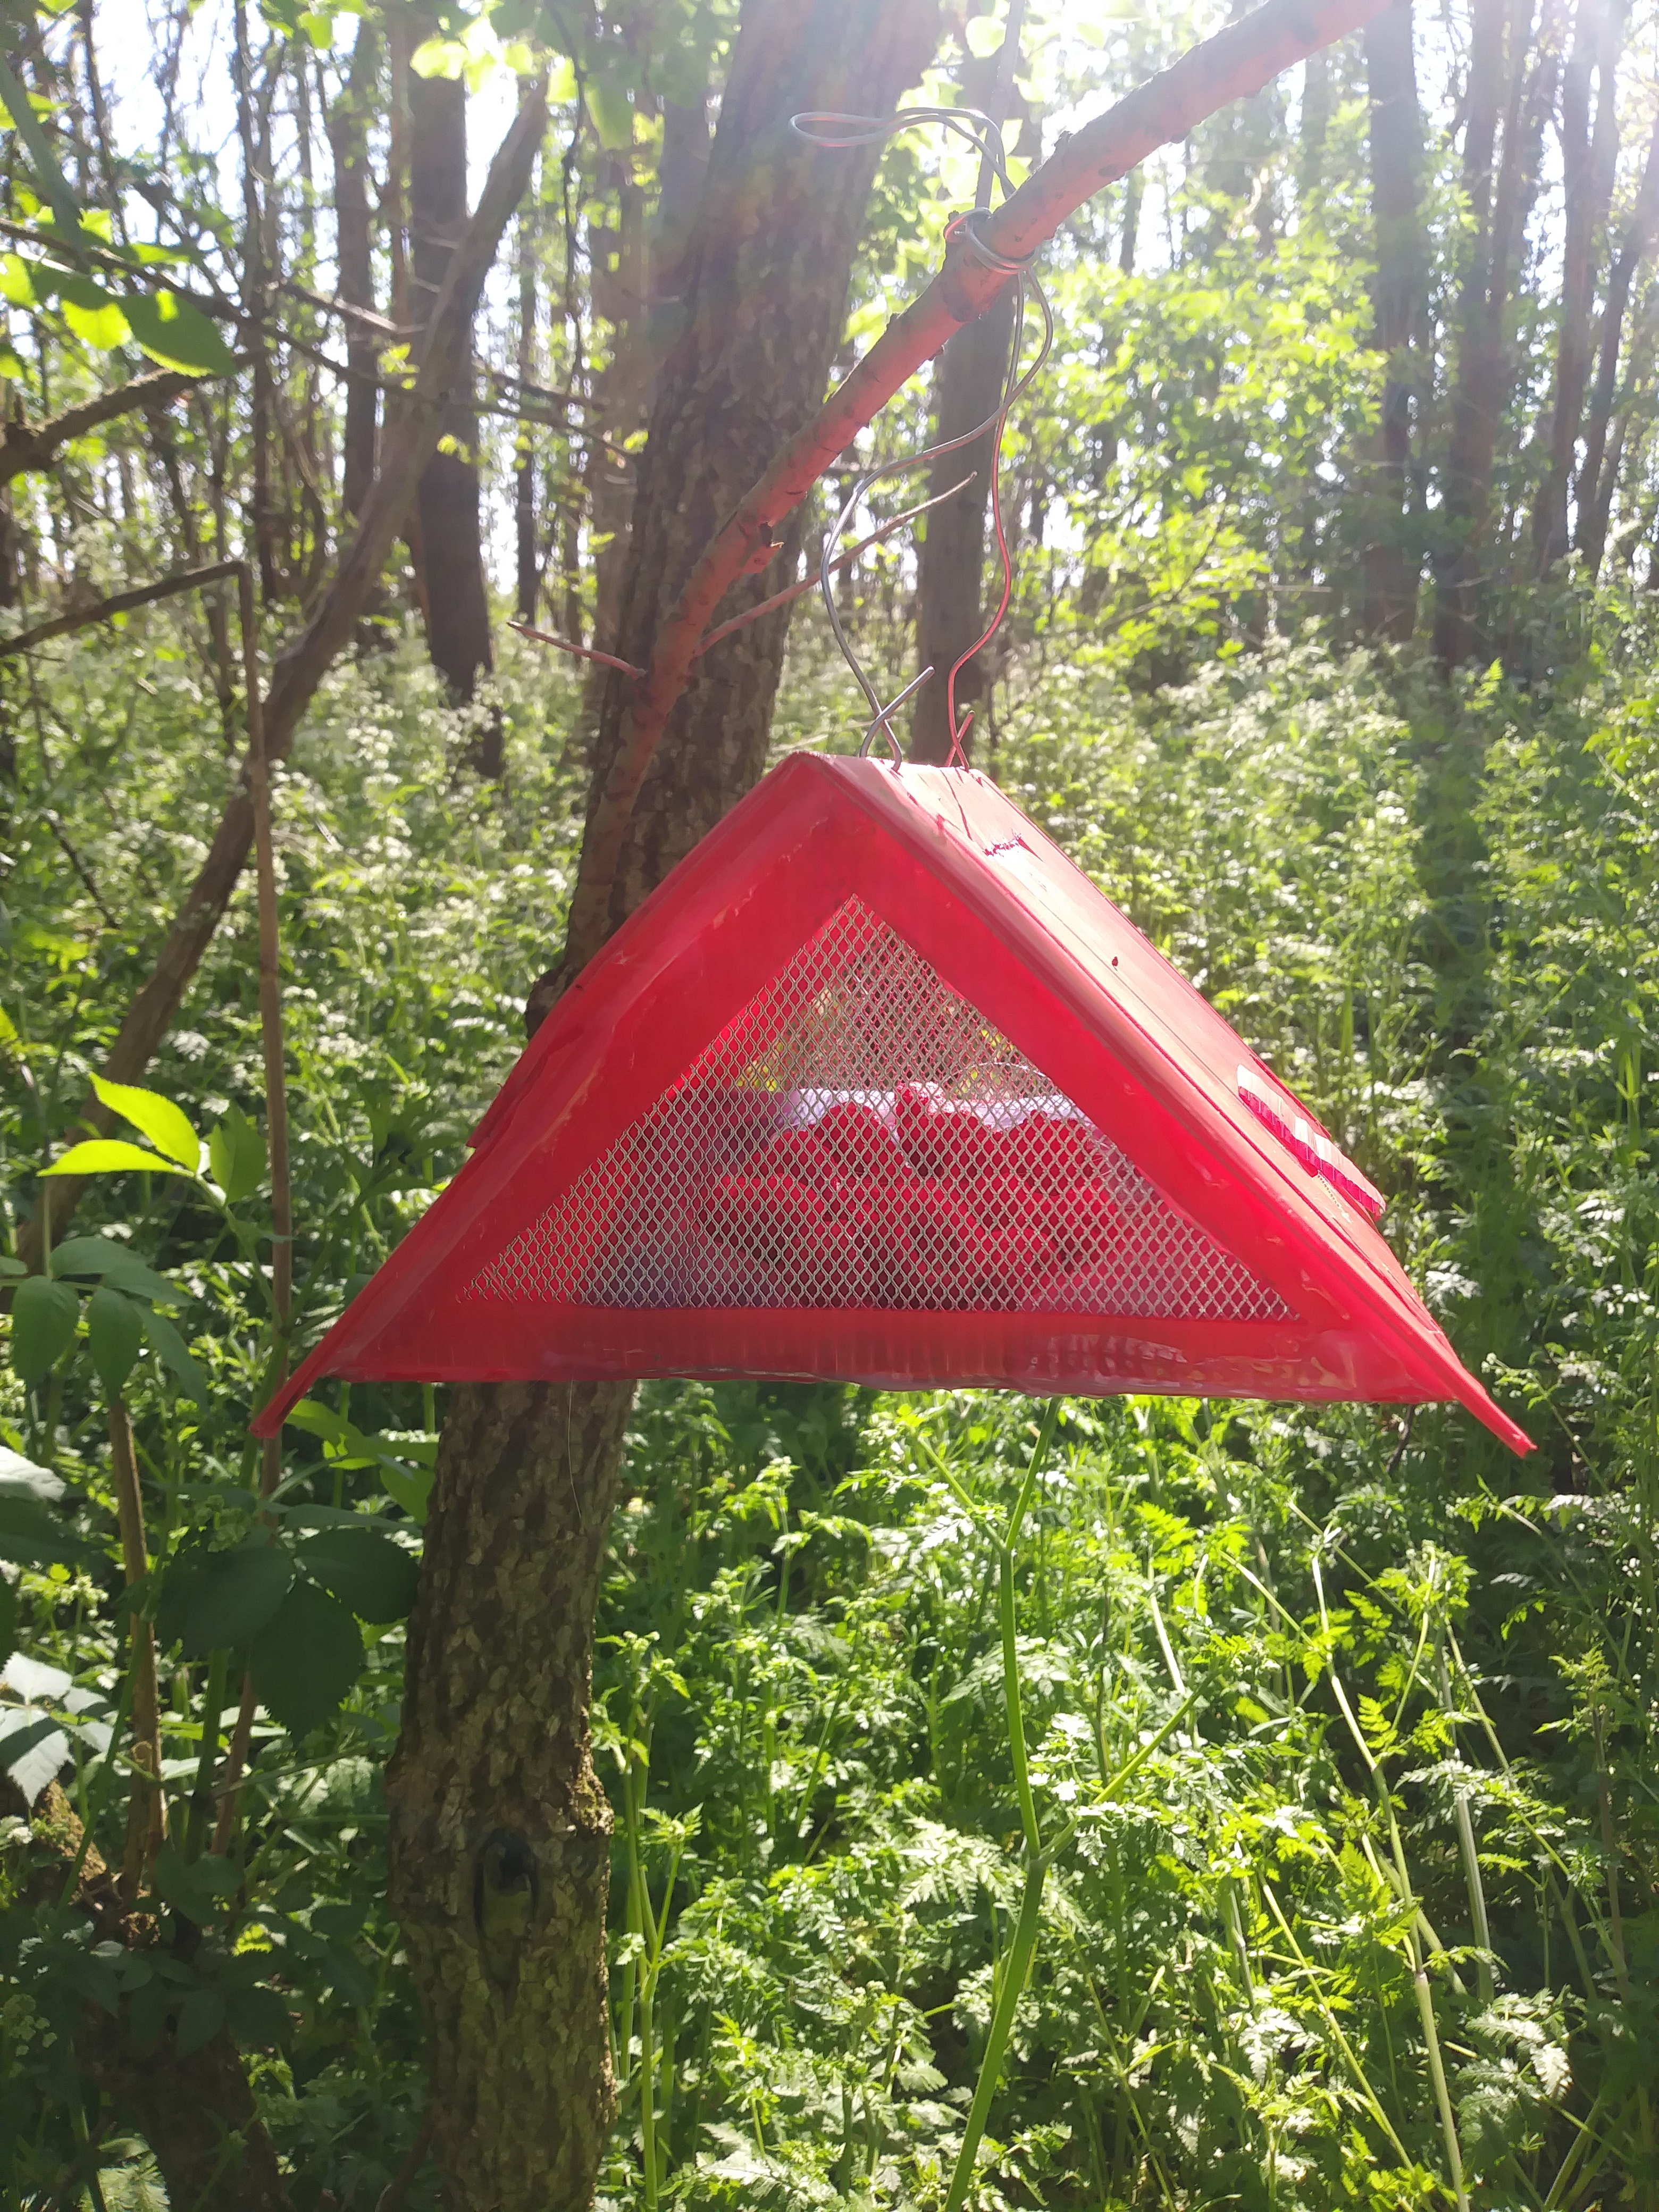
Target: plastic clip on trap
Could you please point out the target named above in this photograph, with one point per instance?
(877, 1087)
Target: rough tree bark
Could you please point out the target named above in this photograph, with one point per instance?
(452, 545)
(527, 577)
(1599, 471)
(500, 1833)
(1392, 564)
(348, 138)
(950, 560)
(1589, 157)
(1485, 370)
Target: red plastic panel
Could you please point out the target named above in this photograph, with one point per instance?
(858, 1136)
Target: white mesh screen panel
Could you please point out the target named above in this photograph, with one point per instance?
(859, 1137)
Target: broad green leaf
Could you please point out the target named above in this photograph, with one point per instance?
(200, 2018)
(176, 333)
(236, 1155)
(195, 1888)
(17, 287)
(31, 1537)
(439, 58)
(114, 1262)
(115, 1337)
(43, 1317)
(175, 1354)
(366, 1572)
(157, 1118)
(612, 114)
(306, 1658)
(21, 1477)
(8, 1620)
(109, 1155)
(93, 317)
(258, 2015)
(408, 1486)
(219, 1600)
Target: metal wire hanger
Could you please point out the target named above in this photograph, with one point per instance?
(822, 128)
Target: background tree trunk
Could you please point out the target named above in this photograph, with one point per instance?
(452, 548)
(527, 566)
(1600, 471)
(1485, 371)
(1590, 155)
(348, 136)
(1396, 152)
(499, 1826)
(950, 561)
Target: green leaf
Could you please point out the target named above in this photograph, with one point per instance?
(236, 1154)
(43, 1317)
(306, 1659)
(42, 160)
(195, 1888)
(612, 114)
(257, 2014)
(175, 1353)
(108, 1155)
(366, 1572)
(157, 1118)
(21, 1477)
(8, 1620)
(347, 1446)
(93, 314)
(115, 1336)
(30, 1537)
(112, 1262)
(176, 333)
(200, 2018)
(408, 1486)
(212, 1600)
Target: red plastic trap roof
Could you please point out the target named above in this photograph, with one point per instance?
(878, 1087)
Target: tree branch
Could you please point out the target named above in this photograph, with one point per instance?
(301, 667)
(33, 445)
(120, 602)
(1232, 65)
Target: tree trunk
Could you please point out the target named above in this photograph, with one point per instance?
(1397, 151)
(1599, 473)
(348, 138)
(501, 1833)
(452, 546)
(527, 569)
(499, 1828)
(1590, 155)
(951, 561)
(1485, 370)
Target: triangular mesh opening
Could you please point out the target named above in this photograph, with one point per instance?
(859, 1137)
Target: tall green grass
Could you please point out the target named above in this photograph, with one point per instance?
(1338, 1728)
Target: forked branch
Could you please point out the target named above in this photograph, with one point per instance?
(1232, 65)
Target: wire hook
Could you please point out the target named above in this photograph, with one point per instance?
(826, 129)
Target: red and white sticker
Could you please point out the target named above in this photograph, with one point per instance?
(1276, 1110)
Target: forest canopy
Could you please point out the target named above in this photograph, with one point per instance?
(503, 1795)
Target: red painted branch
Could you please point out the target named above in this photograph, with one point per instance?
(1232, 65)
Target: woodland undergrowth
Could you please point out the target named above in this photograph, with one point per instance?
(1341, 1726)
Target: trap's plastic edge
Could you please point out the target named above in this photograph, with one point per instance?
(1070, 1355)
(759, 844)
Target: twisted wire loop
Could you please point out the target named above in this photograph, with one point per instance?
(833, 131)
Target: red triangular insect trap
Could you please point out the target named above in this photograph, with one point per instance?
(877, 1087)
